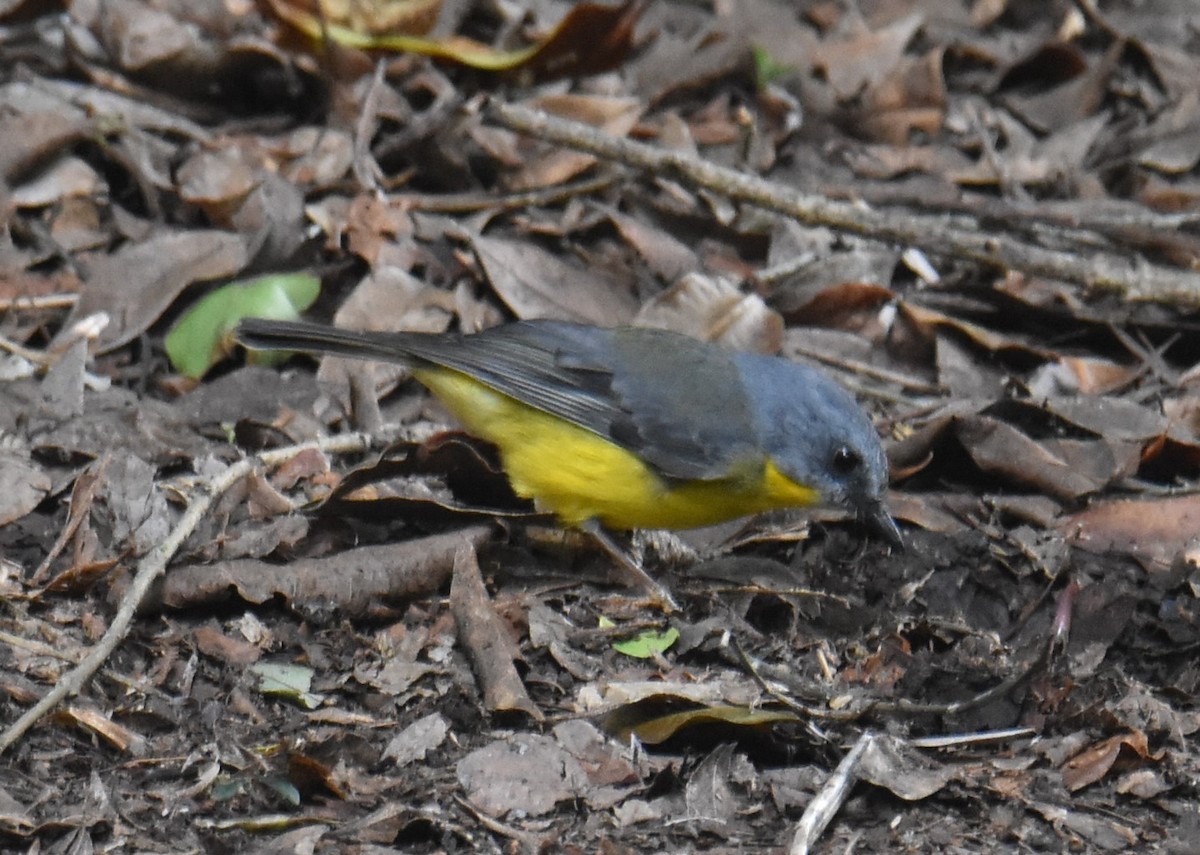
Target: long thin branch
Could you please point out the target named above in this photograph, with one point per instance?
(153, 565)
(1133, 277)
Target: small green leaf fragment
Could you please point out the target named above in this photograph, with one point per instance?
(648, 645)
(223, 791)
(285, 789)
(293, 682)
(766, 69)
(201, 338)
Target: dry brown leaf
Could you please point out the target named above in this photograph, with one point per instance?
(23, 486)
(666, 256)
(712, 308)
(891, 763)
(613, 116)
(1000, 449)
(119, 737)
(136, 284)
(1113, 754)
(232, 651)
(534, 283)
(909, 103)
(1153, 530)
(529, 773)
(867, 58)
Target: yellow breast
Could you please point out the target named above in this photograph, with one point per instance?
(579, 476)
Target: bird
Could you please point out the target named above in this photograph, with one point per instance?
(619, 428)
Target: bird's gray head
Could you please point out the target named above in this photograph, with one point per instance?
(818, 436)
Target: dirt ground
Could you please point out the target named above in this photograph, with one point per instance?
(285, 606)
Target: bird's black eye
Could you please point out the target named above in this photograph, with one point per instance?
(846, 460)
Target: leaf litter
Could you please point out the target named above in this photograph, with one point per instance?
(1030, 655)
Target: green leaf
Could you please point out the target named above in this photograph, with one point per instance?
(648, 644)
(224, 790)
(286, 790)
(202, 338)
(289, 681)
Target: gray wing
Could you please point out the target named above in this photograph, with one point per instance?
(676, 402)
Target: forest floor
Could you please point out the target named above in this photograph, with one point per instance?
(285, 607)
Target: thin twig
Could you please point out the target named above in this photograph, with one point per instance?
(36, 357)
(527, 841)
(1133, 277)
(804, 713)
(464, 203)
(154, 564)
(901, 707)
(906, 707)
(857, 367)
(32, 303)
(826, 803)
(979, 737)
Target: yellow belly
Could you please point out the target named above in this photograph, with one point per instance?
(579, 476)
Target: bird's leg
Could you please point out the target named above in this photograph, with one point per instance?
(635, 575)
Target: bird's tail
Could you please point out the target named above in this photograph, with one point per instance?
(262, 334)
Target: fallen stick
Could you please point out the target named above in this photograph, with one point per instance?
(1131, 276)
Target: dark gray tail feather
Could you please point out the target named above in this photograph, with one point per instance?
(262, 334)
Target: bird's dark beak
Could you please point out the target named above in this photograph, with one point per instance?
(880, 523)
